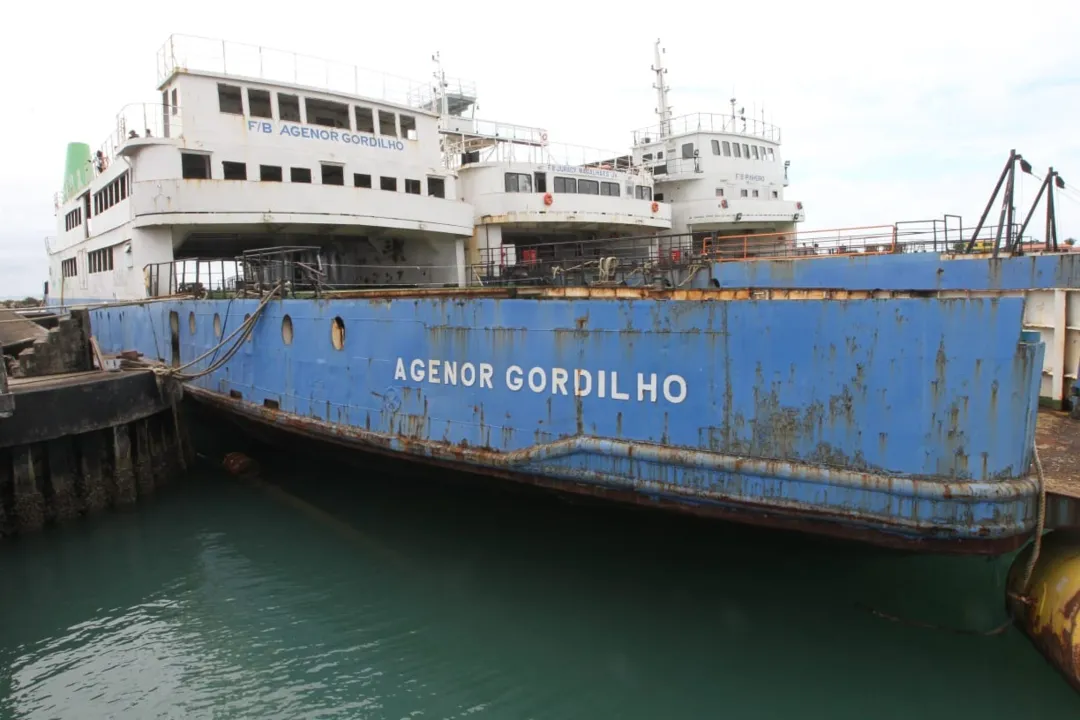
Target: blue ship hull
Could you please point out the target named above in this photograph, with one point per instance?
(903, 421)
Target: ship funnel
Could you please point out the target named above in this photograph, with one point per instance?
(78, 171)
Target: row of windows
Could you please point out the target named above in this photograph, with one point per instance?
(111, 194)
(537, 182)
(100, 260)
(751, 193)
(73, 219)
(742, 150)
(725, 148)
(69, 268)
(197, 166)
(260, 103)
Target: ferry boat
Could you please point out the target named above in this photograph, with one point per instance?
(384, 271)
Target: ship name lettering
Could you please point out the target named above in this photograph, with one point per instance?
(578, 382)
(320, 133)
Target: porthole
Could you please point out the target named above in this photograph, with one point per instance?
(286, 330)
(337, 333)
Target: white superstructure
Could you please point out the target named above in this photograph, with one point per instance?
(374, 180)
(247, 151)
(722, 174)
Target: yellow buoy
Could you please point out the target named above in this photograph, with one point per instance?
(1048, 610)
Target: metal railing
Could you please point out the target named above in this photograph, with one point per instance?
(648, 260)
(224, 57)
(708, 122)
(429, 96)
(462, 151)
(252, 272)
(137, 121)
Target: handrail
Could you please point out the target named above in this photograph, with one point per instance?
(708, 122)
(224, 57)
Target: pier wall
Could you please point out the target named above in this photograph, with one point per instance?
(74, 439)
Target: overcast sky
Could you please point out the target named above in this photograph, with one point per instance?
(889, 111)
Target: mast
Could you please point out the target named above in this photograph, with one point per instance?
(662, 107)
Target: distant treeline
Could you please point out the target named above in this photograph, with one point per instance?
(27, 302)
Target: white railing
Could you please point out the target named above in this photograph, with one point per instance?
(138, 121)
(568, 157)
(224, 57)
(708, 122)
(428, 96)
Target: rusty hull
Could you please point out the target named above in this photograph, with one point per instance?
(896, 417)
(893, 533)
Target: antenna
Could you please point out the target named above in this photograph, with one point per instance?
(662, 107)
(440, 84)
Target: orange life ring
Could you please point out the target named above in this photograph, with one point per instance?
(548, 199)
(655, 206)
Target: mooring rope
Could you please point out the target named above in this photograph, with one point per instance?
(241, 334)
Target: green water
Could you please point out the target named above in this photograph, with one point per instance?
(374, 593)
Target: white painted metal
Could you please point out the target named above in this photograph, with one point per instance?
(1055, 315)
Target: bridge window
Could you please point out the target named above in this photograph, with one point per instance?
(738, 154)
(365, 120)
(68, 268)
(715, 147)
(100, 260)
(326, 113)
(436, 187)
(408, 127)
(772, 156)
(288, 107)
(259, 103)
(234, 170)
(518, 182)
(643, 192)
(361, 180)
(333, 174)
(754, 150)
(565, 185)
(175, 101)
(388, 183)
(387, 123)
(194, 166)
(229, 99)
(540, 182)
(688, 151)
(588, 187)
(412, 187)
(746, 151)
(727, 149)
(270, 173)
(610, 189)
(743, 193)
(300, 175)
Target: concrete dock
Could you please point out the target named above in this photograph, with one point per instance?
(74, 437)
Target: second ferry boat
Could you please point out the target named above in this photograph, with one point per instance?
(386, 272)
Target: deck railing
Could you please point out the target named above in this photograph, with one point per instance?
(139, 121)
(224, 57)
(708, 122)
(648, 260)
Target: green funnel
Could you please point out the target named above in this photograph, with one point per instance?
(78, 172)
